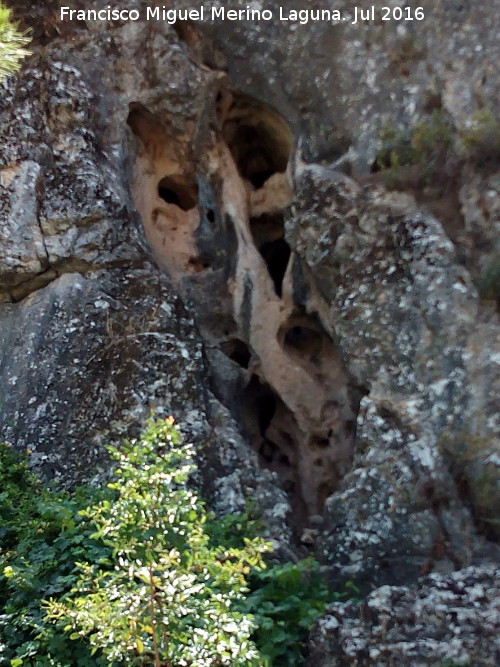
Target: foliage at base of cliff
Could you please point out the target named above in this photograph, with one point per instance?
(140, 573)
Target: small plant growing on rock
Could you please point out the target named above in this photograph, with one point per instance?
(12, 44)
(416, 154)
(481, 139)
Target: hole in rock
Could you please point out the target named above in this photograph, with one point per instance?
(266, 407)
(175, 190)
(271, 428)
(143, 123)
(165, 192)
(259, 407)
(303, 340)
(267, 231)
(303, 336)
(284, 460)
(267, 228)
(198, 264)
(258, 138)
(322, 443)
(324, 491)
(276, 255)
(268, 450)
(237, 351)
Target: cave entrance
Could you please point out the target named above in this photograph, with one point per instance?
(237, 351)
(258, 137)
(304, 337)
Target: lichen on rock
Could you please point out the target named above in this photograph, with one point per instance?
(193, 225)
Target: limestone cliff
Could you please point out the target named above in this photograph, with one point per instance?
(287, 236)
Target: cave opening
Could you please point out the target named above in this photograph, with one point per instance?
(260, 404)
(274, 434)
(303, 340)
(265, 410)
(258, 137)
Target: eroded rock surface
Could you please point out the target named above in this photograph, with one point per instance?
(405, 313)
(453, 619)
(190, 223)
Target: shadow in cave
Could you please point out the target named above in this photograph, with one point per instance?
(268, 234)
(176, 190)
(273, 432)
(258, 137)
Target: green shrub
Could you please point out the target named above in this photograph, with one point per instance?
(395, 149)
(285, 601)
(41, 537)
(431, 139)
(141, 574)
(170, 597)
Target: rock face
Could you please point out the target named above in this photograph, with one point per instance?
(447, 620)
(406, 342)
(197, 219)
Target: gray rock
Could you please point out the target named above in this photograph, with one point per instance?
(352, 370)
(446, 620)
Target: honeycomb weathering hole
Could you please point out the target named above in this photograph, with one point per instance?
(165, 192)
(258, 138)
(274, 434)
(276, 255)
(303, 340)
(237, 351)
(303, 335)
(175, 190)
(267, 231)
